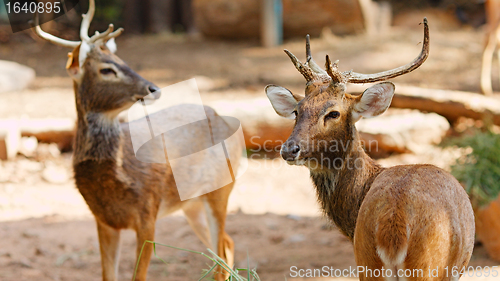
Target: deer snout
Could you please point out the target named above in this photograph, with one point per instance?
(290, 151)
(155, 91)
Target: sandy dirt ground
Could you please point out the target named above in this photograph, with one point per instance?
(47, 231)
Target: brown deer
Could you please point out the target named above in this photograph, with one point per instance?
(492, 11)
(121, 191)
(415, 217)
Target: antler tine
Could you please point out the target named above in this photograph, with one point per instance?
(115, 34)
(98, 35)
(333, 72)
(310, 61)
(35, 26)
(308, 49)
(87, 18)
(366, 78)
(303, 69)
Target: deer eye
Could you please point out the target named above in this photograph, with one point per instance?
(107, 71)
(295, 113)
(332, 115)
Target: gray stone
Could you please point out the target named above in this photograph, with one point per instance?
(14, 76)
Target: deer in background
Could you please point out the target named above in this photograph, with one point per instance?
(492, 11)
(402, 217)
(121, 191)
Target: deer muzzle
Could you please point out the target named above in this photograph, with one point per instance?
(290, 151)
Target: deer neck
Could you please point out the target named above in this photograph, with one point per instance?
(341, 189)
(98, 136)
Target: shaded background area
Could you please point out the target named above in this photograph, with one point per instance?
(46, 229)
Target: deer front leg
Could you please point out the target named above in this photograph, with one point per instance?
(109, 245)
(207, 217)
(205, 227)
(145, 232)
(216, 209)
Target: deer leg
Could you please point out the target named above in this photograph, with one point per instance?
(197, 219)
(201, 220)
(207, 217)
(486, 66)
(109, 244)
(145, 231)
(216, 209)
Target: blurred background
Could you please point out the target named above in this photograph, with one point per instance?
(234, 49)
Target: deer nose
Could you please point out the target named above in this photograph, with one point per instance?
(289, 152)
(153, 89)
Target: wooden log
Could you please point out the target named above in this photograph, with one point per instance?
(449, 104)
(59, 131)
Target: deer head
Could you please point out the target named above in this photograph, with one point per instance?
(324, 128)
(103, 82)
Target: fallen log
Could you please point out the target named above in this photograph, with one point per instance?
(59, 131)
(449, 104)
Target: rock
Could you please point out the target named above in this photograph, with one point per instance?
(55, 174)
(28, 146)
(402, 131)
(14, 76)
(47, 151)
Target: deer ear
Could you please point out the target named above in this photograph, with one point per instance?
(111, 45)
(282, 100)
(73, 64)
(374, 101)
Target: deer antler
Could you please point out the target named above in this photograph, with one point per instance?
(354, 77)
(333, 72)
(35, 26)
(87, 19)
(310, 70)
(84, 30)
(305, 70)
(310, 61)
